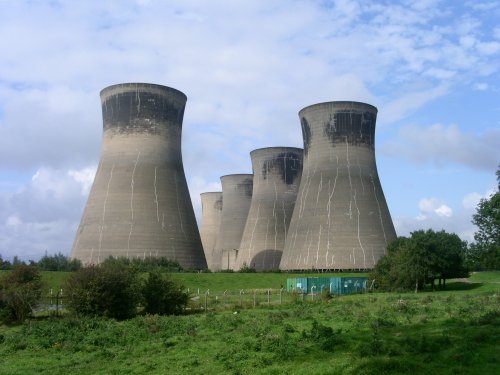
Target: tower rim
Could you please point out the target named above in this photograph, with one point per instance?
(132, 86)
(236, 175)
(211, 192)
(276, 148)
(339, 103)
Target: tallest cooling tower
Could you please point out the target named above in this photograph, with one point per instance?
(341, 219)
(139, 204)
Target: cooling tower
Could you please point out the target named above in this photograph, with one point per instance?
(211, 206)
(341, 219)
(139, 204)
(237, 196)
(276, 178)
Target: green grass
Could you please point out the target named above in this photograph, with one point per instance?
(452, 332)
(221, 281)
(485, 277)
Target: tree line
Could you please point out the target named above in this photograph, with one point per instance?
(114, 289)
(428, 256)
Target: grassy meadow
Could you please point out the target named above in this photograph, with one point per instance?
(456, 331)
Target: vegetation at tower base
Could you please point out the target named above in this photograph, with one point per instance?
(484, 254)
(58, 262)
(20, 293)
(424, 257)
(117, 290)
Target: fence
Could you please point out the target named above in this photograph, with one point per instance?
(249, 298)
(53, 303)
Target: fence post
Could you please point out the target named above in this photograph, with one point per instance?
(268, 297)
(206, 297)
(254, 300)
(281, 292)
(224, 299)
(312, 292)
(241, 297)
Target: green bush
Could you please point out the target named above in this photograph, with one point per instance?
(20, 293)
(112, 290)
(247, 269)
(146, 264)
(59, 262)
(162, 295)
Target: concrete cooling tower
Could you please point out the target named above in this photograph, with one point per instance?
(139, 205)
(236, 196)
(211, 206)
(276, 172)
(341, 219)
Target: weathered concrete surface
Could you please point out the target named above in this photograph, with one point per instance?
(211, 206)
(341, 219)
(139, 204)
(237, 196)
(276, 172)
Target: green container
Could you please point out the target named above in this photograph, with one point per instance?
(317, 284)
(301, 285)
(291, 285)
(350, 285)
(336, 285)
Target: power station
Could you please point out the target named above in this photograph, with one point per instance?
(318, 208)
(341, 219)
(139, 204)
(211, 206)
(236, 196)
(276, 172)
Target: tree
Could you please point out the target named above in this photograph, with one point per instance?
(485, 253)
(425, 256)
(163, 295)
(20, 293)
(58, 262)
(112, 290)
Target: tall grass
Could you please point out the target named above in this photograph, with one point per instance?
(451, 332)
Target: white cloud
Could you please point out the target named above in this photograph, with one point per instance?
(85, 177)
(245, 85)
(471, 200)
(483, 5)
(13, 221)
(433, 206)
(481, 86)
(440, 144)
(42, 214)
(399, 107)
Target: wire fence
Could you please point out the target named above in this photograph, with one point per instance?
(248, 298)
(54, 302)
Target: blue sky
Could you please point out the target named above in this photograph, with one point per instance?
(431, 67)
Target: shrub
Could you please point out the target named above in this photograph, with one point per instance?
(20, 293)
(162, 295)
(247, 269)
(111, 290)
(59, 262)
(147, 264)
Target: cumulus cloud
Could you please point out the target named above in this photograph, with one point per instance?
(440, 144)
(245, 85)
(43, 214)
(433, 206)
(436, 214)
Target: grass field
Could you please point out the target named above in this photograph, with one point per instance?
(447, 332)
(216, 282)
